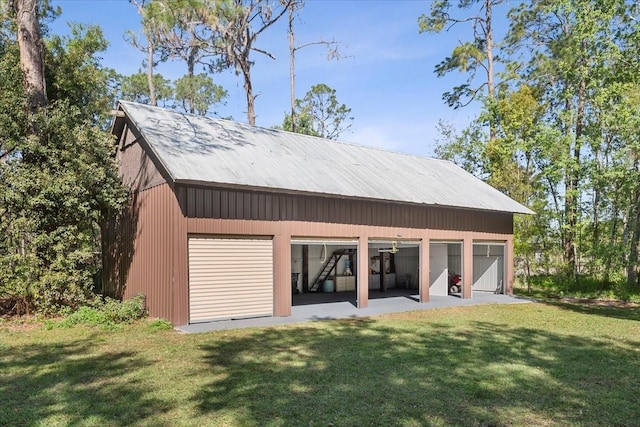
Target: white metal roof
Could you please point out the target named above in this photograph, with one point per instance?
(202, 149)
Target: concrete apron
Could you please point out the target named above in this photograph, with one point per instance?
(346, 310)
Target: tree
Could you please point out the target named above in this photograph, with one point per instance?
(564, 137)
(186, 30)
(293, 49)
(148, 46)
(73, 71)
(58, 179)
(136, 88)
(198, 93)
(572, 42)
(320, 114)
(469, 57)
(31, 52)
(240, 22)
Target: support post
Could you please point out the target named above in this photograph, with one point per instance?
(423, 271)
(282, 275)
(509, 262)
(305, 268)
(362, 280)
(467, 262)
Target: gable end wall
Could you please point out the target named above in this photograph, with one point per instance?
(137, 169)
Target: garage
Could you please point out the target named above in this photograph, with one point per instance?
(229, 221)
(230, 278)
(323, 270)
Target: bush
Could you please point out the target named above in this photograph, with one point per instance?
(107, 313)
(53, 198)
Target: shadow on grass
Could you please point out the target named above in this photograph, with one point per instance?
(624, 313)
(67, 384)
(611, 309)
(358, 372)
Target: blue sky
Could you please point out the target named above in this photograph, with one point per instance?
(386, 78)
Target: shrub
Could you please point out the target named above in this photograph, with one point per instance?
(107, 313)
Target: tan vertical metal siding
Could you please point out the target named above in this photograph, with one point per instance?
(140, 251)
(146, 251)
(137, 169)
(423, 271)
(282, 274)
(229, 278)
(362, 275)
(179, 252)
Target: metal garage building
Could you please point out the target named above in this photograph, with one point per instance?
(223, 215)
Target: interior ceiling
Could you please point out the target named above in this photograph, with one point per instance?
(374, 244)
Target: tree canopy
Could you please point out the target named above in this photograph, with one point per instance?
(319, 113)
(560, 133)
(58, 179)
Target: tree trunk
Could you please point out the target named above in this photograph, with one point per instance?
(573, 182)
(292, 74)
(489, 53)
(248, 88)
(191, 65)
(152, 90)
(31, 52)
(632, 261)
(244, 65)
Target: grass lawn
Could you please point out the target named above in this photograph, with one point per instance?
(494, 365)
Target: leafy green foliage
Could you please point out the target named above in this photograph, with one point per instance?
(198, 93)
(12, 114)
(549, 286)
(53, 198)
(106, 313)
(73, 72)
(135, 88)
(320, 113)
(56, 186)
(562, 130)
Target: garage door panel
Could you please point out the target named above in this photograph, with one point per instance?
(230, 278)
(488, 267)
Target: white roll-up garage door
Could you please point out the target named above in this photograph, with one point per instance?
(230, 278)
(488, 267)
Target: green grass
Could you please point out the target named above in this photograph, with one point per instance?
(495, 365)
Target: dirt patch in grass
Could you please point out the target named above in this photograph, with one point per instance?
(600, 302)
(20, 323)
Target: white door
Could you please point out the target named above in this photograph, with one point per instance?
(230, 278)
(438, 271)
(488, 267)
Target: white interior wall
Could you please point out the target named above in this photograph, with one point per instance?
(438, 269)
(488, 266)
(454, 254)
(407, 260)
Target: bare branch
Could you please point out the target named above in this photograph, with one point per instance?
(264, 52)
